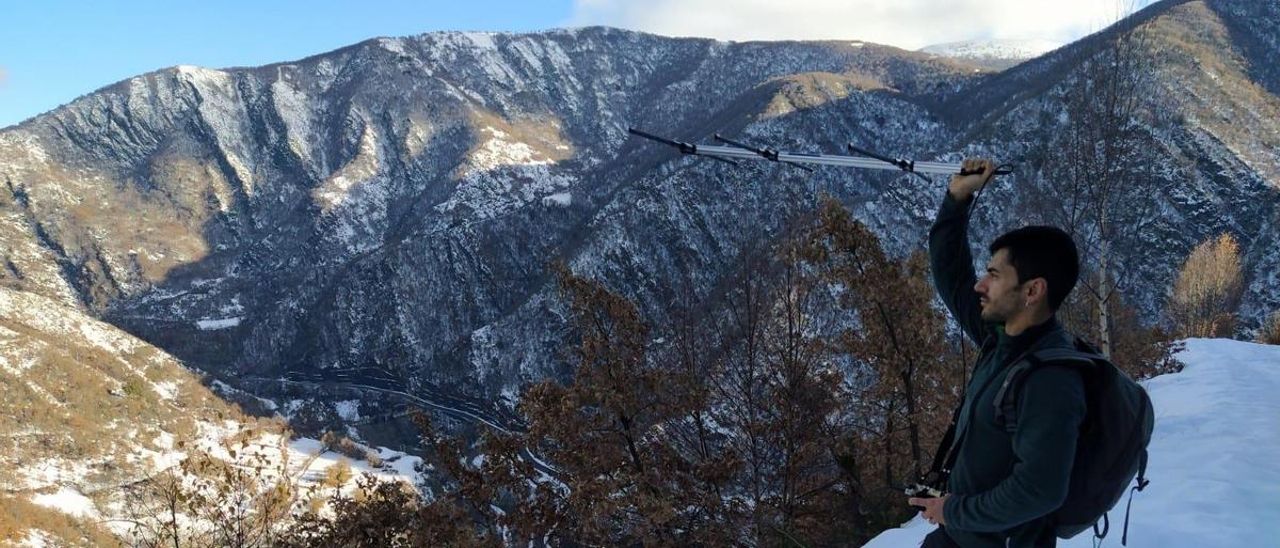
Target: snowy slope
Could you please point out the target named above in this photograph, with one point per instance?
(1214, 479)
(1001, 49)
(997, 54)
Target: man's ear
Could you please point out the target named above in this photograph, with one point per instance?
(1037, 289)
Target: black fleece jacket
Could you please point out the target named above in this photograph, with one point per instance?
(1003, 486)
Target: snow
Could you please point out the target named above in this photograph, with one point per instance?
(481, 40)
(399, 464)
(203, 76)
(497, 151)
(233, 308)
(224, 323)
(292, 105)
(994, 49)
(359, 170)
(167, 390)
(69, 501)
(502, 175)
(393, 45)
(349, 410)
(51, 471)
(304, 460)
(50, 319)
(163, 440)
(559, 199)
(37, 539)
(1212, 468)
(28, 143)
(308, 451)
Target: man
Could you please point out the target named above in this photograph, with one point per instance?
(1003, 486)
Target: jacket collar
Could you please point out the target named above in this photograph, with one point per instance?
(1020, 343)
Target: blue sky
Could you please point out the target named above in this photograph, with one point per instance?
(53, 51)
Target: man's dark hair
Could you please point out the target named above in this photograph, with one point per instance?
(1043, 252)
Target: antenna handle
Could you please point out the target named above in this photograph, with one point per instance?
(999, 171)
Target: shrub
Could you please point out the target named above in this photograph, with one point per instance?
(1207, 290)
(337, 475)
(1270, 331)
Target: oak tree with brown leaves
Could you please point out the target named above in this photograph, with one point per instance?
(911, 376)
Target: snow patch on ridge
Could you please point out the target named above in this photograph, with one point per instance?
(291, 104)
(498, 151)
(68, 500)
(363, 167)
(393, 45)
(559, 199)
(349, 410)
(1013, 49)
(213, 325)
(481, 40)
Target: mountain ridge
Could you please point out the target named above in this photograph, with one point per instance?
(386, 210)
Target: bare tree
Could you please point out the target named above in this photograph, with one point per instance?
(1095, 185)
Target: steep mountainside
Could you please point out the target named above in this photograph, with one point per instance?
(377, 221)
(88, 411)
(1214, 151)
(85, 401)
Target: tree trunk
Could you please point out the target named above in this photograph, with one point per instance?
(1104, 298)
(913, 427)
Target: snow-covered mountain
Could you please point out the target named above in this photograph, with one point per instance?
(375, 223)
(1213, 479)
(994, 54)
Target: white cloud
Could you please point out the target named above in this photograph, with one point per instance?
(4, 77)
(909, 24)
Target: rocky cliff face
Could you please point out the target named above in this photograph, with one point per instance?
(378, 220)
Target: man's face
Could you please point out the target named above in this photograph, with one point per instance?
(999, 292)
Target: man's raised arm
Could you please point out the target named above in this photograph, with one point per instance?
(949, 255)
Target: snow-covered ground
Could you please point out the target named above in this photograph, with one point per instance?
(1214, 475)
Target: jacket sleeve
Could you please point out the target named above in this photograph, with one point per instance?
(951, 263)
(1051, 407)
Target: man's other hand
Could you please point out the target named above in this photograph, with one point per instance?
(963, 186)
(932, 508)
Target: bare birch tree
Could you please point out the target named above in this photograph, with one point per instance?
(1095, 185)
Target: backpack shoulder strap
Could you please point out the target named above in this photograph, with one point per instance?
(1006, 404)
(1067, 356)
